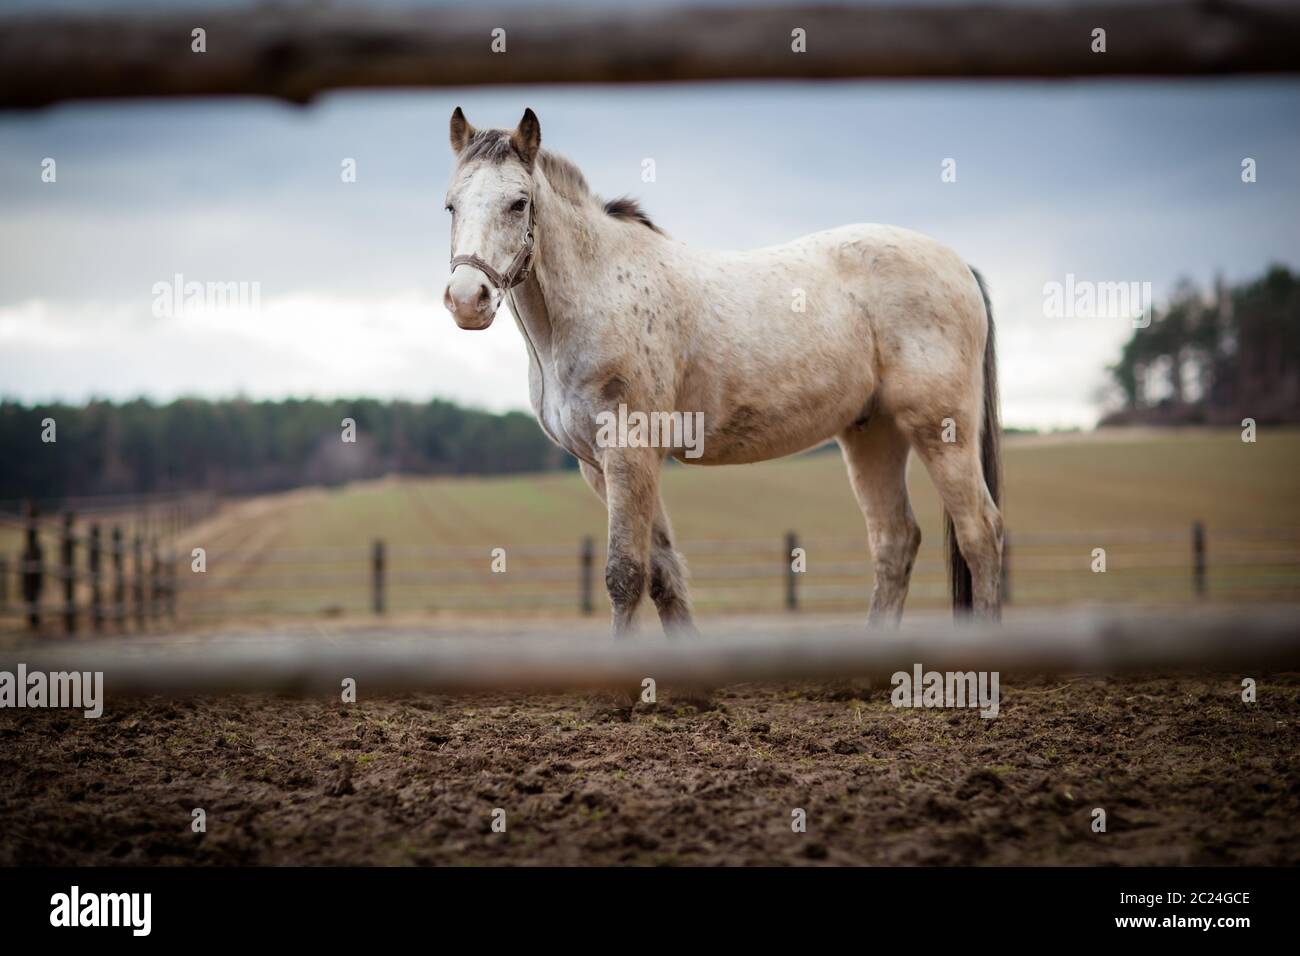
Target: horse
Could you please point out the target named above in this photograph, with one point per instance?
(873, 335)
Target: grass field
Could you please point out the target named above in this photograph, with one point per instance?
(1092, 483)
(1133, 493)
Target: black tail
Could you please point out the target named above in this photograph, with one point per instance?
(963, 597)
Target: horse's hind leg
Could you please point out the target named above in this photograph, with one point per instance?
(876, 456)
(668, 587)
(958, 475)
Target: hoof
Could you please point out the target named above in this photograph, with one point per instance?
(701, 698)
(608, 707)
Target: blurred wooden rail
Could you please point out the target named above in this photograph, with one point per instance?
(295, 53)
(1243, 642)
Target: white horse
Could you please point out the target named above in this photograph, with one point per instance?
(873, 335)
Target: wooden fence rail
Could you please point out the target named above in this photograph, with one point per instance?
(1245, 642)
(294, 53)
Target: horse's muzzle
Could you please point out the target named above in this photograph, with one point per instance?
(470, 300)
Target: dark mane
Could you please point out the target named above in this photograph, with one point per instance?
(625, 207)
(495, 146)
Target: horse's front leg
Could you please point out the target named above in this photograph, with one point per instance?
(632, 494)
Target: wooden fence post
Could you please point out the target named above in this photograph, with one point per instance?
(1198, 558)
(68, 570)
(119, 578)
(96, 580)
(377, 577)
(791, 585)
(171, 585)
(586, 570)
(1006, 567)
(137, 586)
(33, 571)
(155, 581)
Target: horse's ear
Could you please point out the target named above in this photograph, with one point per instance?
(461, 131)
(527, 139)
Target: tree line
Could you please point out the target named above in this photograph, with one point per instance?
(1208, 357)
(1216, 357)
(54, 451)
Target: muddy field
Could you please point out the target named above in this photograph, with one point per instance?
(1187, 774)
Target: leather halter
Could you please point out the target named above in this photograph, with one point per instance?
(514, 273)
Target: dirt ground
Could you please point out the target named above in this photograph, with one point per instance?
(1186, 772)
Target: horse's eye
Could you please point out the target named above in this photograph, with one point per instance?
(519, 205)
(450, 208)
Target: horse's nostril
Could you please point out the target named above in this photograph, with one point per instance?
(484, 296)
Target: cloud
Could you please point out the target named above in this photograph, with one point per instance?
(404, 346)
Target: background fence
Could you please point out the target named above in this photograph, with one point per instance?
(110, 565)
(131, 566)
(743, 575)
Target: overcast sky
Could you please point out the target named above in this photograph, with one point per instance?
(1108, 181)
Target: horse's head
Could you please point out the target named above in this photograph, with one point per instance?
(491, 206)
